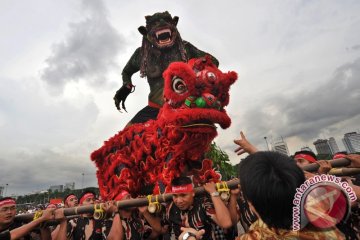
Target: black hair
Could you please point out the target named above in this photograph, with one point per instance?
(180, 181)
(306, 152)
(269, 181)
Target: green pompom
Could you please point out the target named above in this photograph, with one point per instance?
(200, 102)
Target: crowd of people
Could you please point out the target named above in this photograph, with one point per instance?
(261, 207)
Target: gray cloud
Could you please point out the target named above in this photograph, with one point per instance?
(38, 170)
(43, 141)
(356, 47)
(88, 52)
(308, 112)
(30, 118)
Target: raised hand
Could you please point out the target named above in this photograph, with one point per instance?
(245, 145)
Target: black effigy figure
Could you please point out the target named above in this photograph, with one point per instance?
(161, 45)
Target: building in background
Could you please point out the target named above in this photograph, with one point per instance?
(59, 188)
(280, 146)
(352, 142)
(333, 145)
(306, 148)
(323, 147)
(2, 191)
(70, 186)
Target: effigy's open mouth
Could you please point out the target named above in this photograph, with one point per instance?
(164, 37)
(200, 123)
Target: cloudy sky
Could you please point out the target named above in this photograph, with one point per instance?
(61, 63)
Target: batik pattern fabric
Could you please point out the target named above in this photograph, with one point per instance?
(136, 227)
(83, 228)
(199, 216)
(247, 217)
(351, 227)
(259, 230)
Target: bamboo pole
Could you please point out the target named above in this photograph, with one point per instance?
(344, 171)
(137, 202)
(341, 162)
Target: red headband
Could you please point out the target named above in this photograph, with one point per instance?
(121, 195)
(182, 189)
(339, 155)
(86, 195)
(7, 201)
(51, 205)
(71, 195)
(306, 157)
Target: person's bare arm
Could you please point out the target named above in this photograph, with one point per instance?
(62, 233)
(355, 160)
(222, 215)
(25, 229)
(153, 221)
(55, 232)
(117, 230)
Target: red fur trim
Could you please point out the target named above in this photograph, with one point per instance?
(160, 150)
(183, 71)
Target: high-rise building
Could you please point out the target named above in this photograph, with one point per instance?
(352, 142)
(280, 146)
(333, 145)
(306, 148)
(70, 186)
(58, 188)
(322, 146)
(2, 191)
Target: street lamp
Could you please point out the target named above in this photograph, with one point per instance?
(82, 181)
(267, 145)
(6, 187)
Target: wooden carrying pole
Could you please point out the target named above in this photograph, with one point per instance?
(137, 202)
(344, 171)
(340, 162)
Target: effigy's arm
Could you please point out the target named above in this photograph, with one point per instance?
(131, 67)
(194, 52)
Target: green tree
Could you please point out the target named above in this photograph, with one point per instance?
(221, 162)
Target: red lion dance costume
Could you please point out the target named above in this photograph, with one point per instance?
(155, 152)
